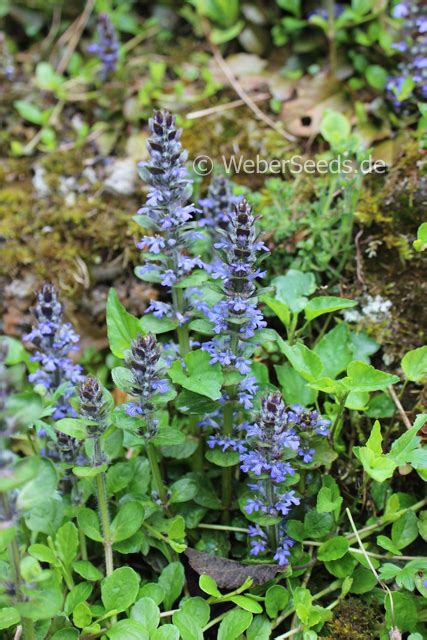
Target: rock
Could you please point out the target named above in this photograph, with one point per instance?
(121, 177)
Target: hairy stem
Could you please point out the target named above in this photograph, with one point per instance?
(155, 472)
(182, 331)
(227, 472)
(104, 517)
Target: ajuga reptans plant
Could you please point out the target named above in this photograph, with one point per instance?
(107, 47)
(168, 214)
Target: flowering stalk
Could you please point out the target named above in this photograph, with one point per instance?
(107, 47)
(278, 434)
(217, 206)
(54, 339)
(94, 408)
(167, 213)
(143, 362)
(235, 318)
(413, 47)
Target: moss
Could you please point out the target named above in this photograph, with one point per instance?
(56, 238)
(355, 620)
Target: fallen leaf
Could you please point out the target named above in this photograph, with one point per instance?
(230, 574)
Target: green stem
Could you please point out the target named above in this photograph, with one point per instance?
(182, 332)
(227, 430)
(272, 530)
(83, 547)
(155, 472)
(104, 516)
(227, 472)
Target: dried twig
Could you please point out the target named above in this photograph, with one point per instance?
(399, 407)
(371, 566)
(77, 29)
(219, 108)
(359, 259)
(242, 93)
(18, 632)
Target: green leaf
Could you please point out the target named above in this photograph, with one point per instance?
(294, 388)
(335, 350)
(87, 570)
(420, 244)
(326, 304)
(402, 450)
(198, 609)
(166, 632)
(260, 629)
(305, 362)
(172, 581)
(74, 427)
(364, 377)
(247, 603)
(147, 613)
(89, 472)
(208, 585)
(198, 277)
(183, 490)
(335, 127)
(127, 522)
(387, 544)
(276, 599)
(198, 375)
(222, 458)
(404, 530)
(9, 617)
(42, 553)
(82, 616)
(193, 403)
(414, 364)
(376, 76)
(47, 78)
(151, 324)
(293, 288)
(120, 590)
(317, 525)
(67, 543)
(333, 549)
(234, 624)
(405, 616)
(127, 630)
(30, 112)
(188, 627)
(40, 480)
(122, 327)
(279, 308)
(363, 581)
(79, 593)
(328, 498)
(89, 524)
(168, 436)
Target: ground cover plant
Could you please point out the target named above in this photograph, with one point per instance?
(212, 387)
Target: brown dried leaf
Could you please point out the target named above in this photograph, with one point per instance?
(303, 116)
(230, 574)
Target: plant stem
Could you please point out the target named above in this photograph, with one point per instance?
(155, 472)
(104, 516)
(272, 530)
(182, 331)
(227, 472)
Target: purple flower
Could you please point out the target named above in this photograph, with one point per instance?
(147, 381)
(54, 340)
(107, 47)
(400, 10)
